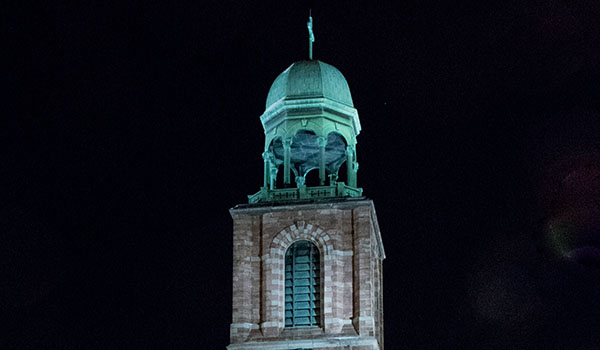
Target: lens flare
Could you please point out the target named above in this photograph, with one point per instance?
(560, 236)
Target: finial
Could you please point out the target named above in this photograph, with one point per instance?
(311, 36)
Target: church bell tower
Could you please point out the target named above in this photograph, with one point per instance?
(307, 251)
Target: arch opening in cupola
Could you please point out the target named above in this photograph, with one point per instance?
(312, 178)
(335, 153)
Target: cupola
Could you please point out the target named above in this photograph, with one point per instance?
(310, 126)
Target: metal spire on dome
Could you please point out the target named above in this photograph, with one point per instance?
(311, 35)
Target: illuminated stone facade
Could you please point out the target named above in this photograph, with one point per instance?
(307, 251)
(347, 235)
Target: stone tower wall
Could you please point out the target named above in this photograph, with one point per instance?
(349, 242)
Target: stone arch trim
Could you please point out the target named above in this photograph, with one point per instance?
(301, 231)
(273, 272)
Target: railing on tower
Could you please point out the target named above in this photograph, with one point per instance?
(340, 189)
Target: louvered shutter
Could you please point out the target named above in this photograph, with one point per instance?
(302, 285)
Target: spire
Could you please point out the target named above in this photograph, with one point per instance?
(311, 36)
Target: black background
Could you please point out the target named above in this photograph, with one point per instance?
(136, 128)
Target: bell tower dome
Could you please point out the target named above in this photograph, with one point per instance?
(310, 125)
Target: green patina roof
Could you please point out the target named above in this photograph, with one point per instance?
(309, 79)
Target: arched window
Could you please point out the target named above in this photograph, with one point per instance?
(302, 285)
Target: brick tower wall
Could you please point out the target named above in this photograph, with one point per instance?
(348, 238)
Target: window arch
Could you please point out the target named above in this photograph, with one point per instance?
(312, 177)
(302, 285)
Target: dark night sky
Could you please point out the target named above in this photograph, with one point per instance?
(136, 129)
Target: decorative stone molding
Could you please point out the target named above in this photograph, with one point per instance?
(273, 271)
(301, 231)
(338, 343)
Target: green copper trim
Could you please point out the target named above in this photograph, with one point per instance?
(285, 194)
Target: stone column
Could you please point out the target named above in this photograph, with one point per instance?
(321, 142)
(287, 145)
(267, 165)
(332, 179)
(246, 272)
(273, 177)
(351, 166)
(355, 173)
(362, 317)
(300, 181)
